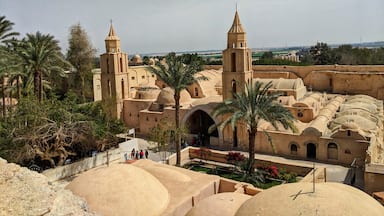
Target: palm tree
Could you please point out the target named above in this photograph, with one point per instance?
(40, 56)
(249, 108)
(177, 76)
(6, 33)
(6, 36)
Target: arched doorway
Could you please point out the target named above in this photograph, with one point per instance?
(198, 124)
(332, 152)
(293, 149)
(311, 151)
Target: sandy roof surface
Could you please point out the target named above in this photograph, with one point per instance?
(121, 189)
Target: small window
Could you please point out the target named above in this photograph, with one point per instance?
(300, 114)
(241, 44)
(196, 92)
(155, 119)
(153, 75)
(347, 151)
(147, 118)
(142, 77)
(348, 133)
(130, 114)
(133, 78)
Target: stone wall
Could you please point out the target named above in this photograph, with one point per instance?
(341, 79)
(91, 162)
(25, 192)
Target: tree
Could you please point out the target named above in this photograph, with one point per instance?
(178, 76)
(250, 107)
(267, 55)
(6, 33)
(81, 55)
(6, 36)
(322, 54)
(40, 56)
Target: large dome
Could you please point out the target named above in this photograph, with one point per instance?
(298, 199)
(121, 189)
(166, 97)
(147, 91)
(221, 204)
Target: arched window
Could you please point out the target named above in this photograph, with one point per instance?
(332, 151)
(293, 149)
(109, 88)
(122, 89)
(107, 64)
(121, 64)
(348, 133)
(233, 86)
(233, 62)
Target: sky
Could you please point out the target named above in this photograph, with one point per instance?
(154, 26)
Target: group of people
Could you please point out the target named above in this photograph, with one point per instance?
(135, 154)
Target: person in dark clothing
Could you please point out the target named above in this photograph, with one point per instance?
(146, 153)
(141, 154)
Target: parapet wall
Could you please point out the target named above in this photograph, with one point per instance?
(340, 79)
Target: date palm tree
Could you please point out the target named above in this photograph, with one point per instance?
(40, 56)
(6, 36)
(178, 76)
(249, 108)
(6, 33)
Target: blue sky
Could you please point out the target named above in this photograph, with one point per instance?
(147, 26)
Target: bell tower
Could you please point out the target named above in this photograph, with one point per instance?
(114, 75)
(237, 60)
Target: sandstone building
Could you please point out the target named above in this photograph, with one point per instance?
(339, 116)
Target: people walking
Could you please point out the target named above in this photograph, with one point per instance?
(133, 153)
(141, 154)
(146, 153)
(137, 155)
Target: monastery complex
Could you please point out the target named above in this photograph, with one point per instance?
(338, 108)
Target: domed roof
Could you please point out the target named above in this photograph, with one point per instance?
(166, 97)
(125, 188)
(298, 199)
(221, 204)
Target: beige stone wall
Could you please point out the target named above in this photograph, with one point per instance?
(96, 85)
(282, 143)
(373, 182)
(132, 110)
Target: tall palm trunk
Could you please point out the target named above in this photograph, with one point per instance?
(177, 134)
(252, 137)
(82, 90)
(41, 87)
(3, 97)
(18, 89)
(36, 82)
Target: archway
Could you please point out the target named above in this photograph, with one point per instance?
(198, 124)
(332, 152)
(293, 149)
(311, 151)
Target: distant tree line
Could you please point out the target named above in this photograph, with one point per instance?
(322, 54)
